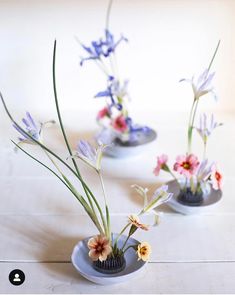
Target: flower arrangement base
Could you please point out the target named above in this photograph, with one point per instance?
(190, 199)
(111, 265)
(84, 265)
(209, 203)
(120, 149)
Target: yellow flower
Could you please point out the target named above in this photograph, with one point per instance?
(144, 251)
(134, 219)
(99, 248)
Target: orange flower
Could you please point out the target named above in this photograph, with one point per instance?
(134, 219)
(99, 248)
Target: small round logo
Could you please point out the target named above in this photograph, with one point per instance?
(16, 277)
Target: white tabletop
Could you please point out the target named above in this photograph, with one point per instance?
(40, 222)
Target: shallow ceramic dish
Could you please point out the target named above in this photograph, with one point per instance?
(209, 203)
(83, 264)
(119, 149)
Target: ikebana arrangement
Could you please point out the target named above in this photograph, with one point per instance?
(106, 251)
(196, 179)
(117, 126)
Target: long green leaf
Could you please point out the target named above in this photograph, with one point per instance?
(69, 186)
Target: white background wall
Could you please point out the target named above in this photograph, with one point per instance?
(168, 40)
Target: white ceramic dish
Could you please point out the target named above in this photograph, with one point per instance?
(118, 149)
(83, 264)
(209, 203)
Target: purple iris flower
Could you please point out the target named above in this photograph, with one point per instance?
(135, 127)
(207, 125)
(102, 48)
(115, 90)
(202, 85)
(89, 154)
(31, 128)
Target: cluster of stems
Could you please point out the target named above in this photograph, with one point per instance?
(89, 203)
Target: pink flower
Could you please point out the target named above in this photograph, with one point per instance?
(120, 124)
(103, 113)
(186, 165)
(161, 162)
(216, 178)
(99, 248)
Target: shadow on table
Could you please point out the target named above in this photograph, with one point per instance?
(45, 245)
(73, 136)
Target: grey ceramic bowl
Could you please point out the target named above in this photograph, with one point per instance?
(83, 264)
(209, 203)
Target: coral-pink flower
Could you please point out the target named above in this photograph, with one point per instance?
(216, 178)
(103, 113)
(186, 165)
(161, 162)
(134, 220)
(120, 124)
(99, 248)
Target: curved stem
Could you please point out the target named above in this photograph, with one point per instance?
(70, 187)
(131, 246)
(53, 154)
(122, 231)
(107, 225)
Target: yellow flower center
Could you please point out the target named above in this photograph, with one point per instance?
(186, 165)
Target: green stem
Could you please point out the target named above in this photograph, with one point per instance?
(213, 57)
(70, 187)
(190, 127)
(106, 206)
(193, 118)
(62, 126)
(57, 167)
(122, 231)
(131, 246)
(204, 150)
(125, 242)
(173, 175)
(53, 154)
(53, 162)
